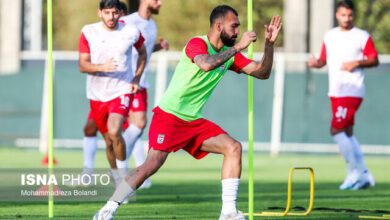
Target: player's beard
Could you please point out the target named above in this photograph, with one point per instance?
(227, 40)
(154, 10)
(113, 25)
(347, 25)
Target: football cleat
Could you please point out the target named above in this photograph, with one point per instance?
(349, 180)
(364, 181)
(107, 212)
(233, 216)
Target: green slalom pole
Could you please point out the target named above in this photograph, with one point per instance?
(50, 97)
(250, 118)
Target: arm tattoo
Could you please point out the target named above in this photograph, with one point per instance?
(216, 60)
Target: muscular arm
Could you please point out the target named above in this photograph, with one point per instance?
(209, 62)
(261, 70)
(85, 65)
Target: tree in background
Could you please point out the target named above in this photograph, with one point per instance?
(181, 19)
(178, 21)
(132, 5)
(374, 16)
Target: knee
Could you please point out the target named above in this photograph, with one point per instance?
(140, 123)
(334, 131)
(234, 149)
(108, 143)
(349, 131)
(90, 129)
(114, 134)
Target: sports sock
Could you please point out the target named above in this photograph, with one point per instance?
(358, 154)
(121, 164)
(346, 149)
(130, 136)
(139, 153)
(115, 178)
(122, 192)
(90, 147)
(229, 195)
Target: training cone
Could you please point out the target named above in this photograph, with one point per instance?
(45, 160)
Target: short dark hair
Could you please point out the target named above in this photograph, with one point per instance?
(123, 7)
(220, 11)
(346, 4)
(109, 4)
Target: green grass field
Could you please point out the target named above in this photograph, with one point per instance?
(185, 188)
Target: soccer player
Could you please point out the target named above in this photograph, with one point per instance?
(204, 61)
(137, 117)
(90, 132)
(105, 55)
(347, 50)
(143, 21)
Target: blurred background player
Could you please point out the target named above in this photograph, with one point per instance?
(143, 21)
(204, 61)
(90, 130)
(347, 50)
(137, 117)
(105, 54)
(122, 9)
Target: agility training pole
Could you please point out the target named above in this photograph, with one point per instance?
(250, 118)
(50, 99)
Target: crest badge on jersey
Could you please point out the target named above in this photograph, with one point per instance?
(160, 138)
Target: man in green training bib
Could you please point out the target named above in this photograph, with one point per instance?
(177, 122)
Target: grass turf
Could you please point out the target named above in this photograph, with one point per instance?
(185, 188)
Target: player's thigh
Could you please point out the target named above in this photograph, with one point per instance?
(138, 118)
(221, 144)
(115, 122)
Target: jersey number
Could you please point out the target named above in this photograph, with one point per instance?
(125, 100)
(341, 112)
